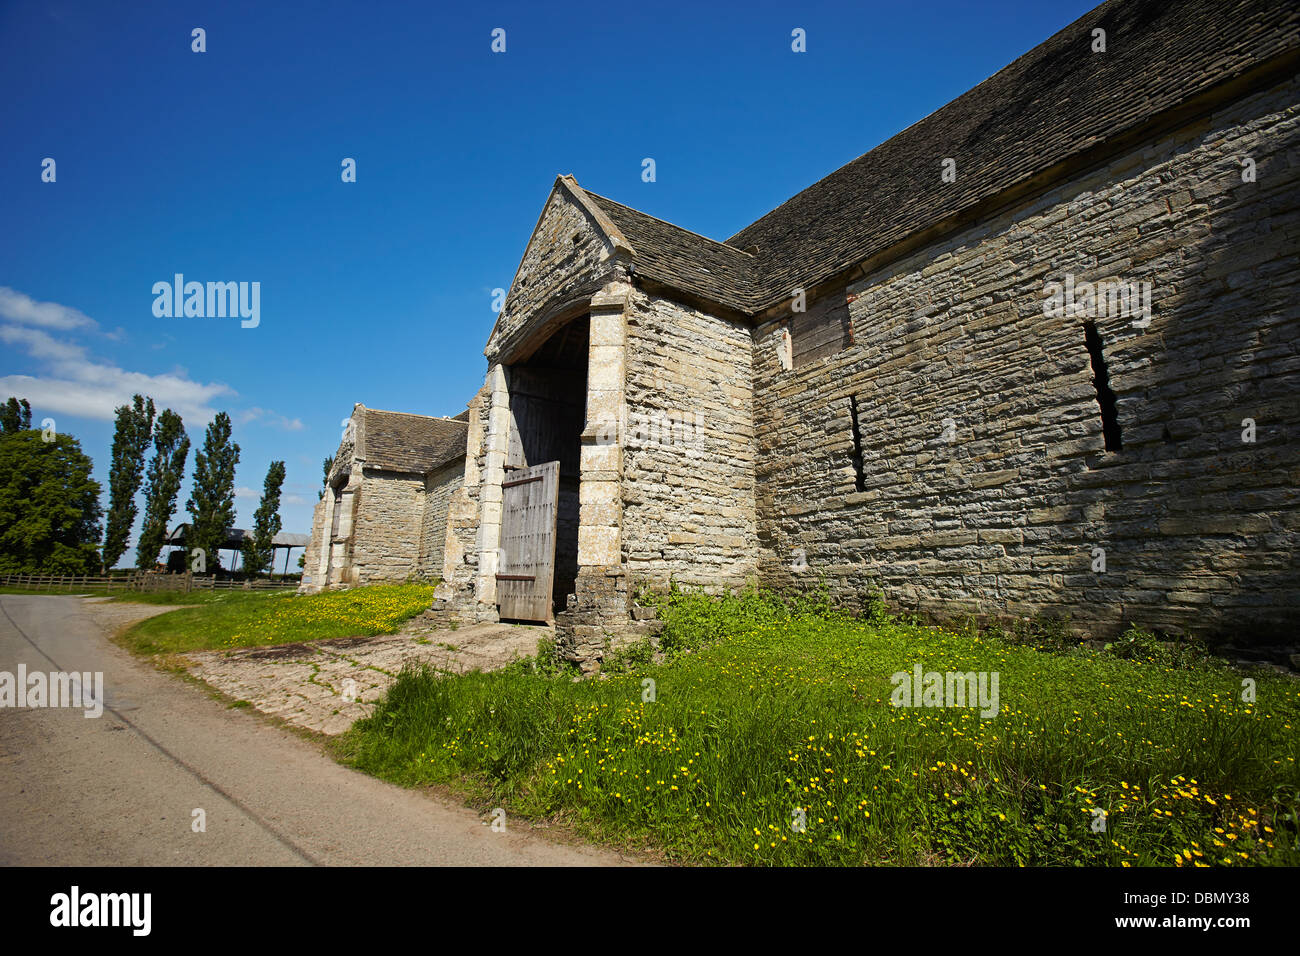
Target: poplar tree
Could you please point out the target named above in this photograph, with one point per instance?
(171, 446)
(212, 499)
(131, 438)
(257, 548)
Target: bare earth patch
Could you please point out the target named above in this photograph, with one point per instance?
(304, 684)
(112, 616)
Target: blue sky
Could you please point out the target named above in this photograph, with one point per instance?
(225, 166)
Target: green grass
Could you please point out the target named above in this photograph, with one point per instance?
(763, 714)
(250, 618)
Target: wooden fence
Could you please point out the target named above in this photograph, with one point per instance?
(137, 582)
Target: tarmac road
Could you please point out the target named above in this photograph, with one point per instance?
(121, 789)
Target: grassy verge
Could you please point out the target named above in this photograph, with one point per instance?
(770, 738)
(250, 618)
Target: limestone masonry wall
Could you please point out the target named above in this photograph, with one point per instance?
(985, 483)
(688, 460)
(386, 533)
(311, 555)
(460, 555)
(439, 487)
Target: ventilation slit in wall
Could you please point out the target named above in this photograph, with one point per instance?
(1101, 381)
(860, 481)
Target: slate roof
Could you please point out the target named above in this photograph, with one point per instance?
(682, 259)
(398, 441)
(1052, 103)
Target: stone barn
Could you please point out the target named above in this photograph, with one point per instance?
(383, 516)
(1037, 354)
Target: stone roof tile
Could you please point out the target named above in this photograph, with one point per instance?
(398, 441)
(683, 259)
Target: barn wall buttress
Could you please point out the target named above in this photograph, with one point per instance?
(688, 469)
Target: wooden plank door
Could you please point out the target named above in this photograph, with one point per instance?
(526, 571)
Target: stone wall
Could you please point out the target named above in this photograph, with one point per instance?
(986, 486)
(439, 488)
(688, 447)
(311, 555)
(597, 612)
(340, 515)
(321, 551)
(456, 595)
(386, 534)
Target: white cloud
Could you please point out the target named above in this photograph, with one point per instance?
(16, 307)
(80, 385)
(270, 418)
(256, 495)
(41, 345)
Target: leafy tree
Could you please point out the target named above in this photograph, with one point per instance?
(212, 499)
(171, 446)
(49, 506)
(131, 437)
(15, 416)
(328, 465)
(258, 552)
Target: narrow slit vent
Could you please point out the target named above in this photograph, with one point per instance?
(1101, 381)
(860, 481)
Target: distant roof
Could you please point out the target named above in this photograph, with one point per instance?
(1052, 103)
(399, 441)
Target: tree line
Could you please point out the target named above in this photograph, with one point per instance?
(51, 518)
